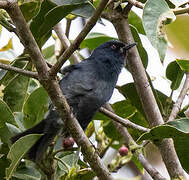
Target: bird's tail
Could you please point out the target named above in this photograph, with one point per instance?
(49, 128)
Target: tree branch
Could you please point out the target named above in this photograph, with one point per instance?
(122, 121)
(3, 4)
(179, 11)
(178, 103)
(55, 93)
(65, 42)
(136, 3)
(176, 11)
(152, 171)
(89, 25)
(20, 71)
(129, 141)
(144, 90)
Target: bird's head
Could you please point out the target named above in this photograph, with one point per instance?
(113, 50)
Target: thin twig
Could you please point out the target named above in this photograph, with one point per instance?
(65, 42)
(178, 103)
(144, 90)
(20, 71)
(129, 141)
(152, 171)
(68, 25)
(3, 4)
(136, 3)
(124, 122)
(89, 25)
(52, 87)
(178, 11)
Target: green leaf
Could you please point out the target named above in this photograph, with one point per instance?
(16, 91)
(181, 124)
(184, 64)
(5, 135)
(48, 52)
(136, 21)
(124, 109)
(28, 173)
(129, 91)
(179, 131)
(111, 131)
(30, 9)
(93, 40)
(85, 174)
(50, 14)
(6, 114)
(36, 23)
(4, 163)
(9, 75)
(54, 16)
(35, 107)
(174, 74)
(16, 153)
(70, 160)
(155, 15)
(86, 10)
(142, 52)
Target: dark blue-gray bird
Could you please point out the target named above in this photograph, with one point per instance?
(87, 86)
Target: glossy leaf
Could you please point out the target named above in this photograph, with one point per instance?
(124, 109)
(16, 153)
(7, 76)
(136, 21)
(6, 114)
(50, 14)
(54, 16)
(27, 173)
(179, 131)
(129, 91)
(142, 52)
(174, 74)
(30, 9)
(36, 23)
(48, 52)
(155, 15)
(93, 40)
(184, 64)
(86, 10)
(16, 91)
(4, 163)
(35, 107)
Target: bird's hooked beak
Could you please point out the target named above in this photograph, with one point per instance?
(129, 46)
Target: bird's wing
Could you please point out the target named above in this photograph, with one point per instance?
(68, 69)
(78, 80)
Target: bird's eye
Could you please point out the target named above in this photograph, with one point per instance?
(113, 46)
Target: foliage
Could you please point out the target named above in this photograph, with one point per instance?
(23, 102)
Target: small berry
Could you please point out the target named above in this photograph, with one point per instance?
(123, 151)
(68, 142)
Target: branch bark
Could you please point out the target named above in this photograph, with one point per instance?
(178, 103)
(89, 25)
(55, 93)
(20, 71)
(144, 90)
(129, 141)
(65, 42)
(122, 121)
